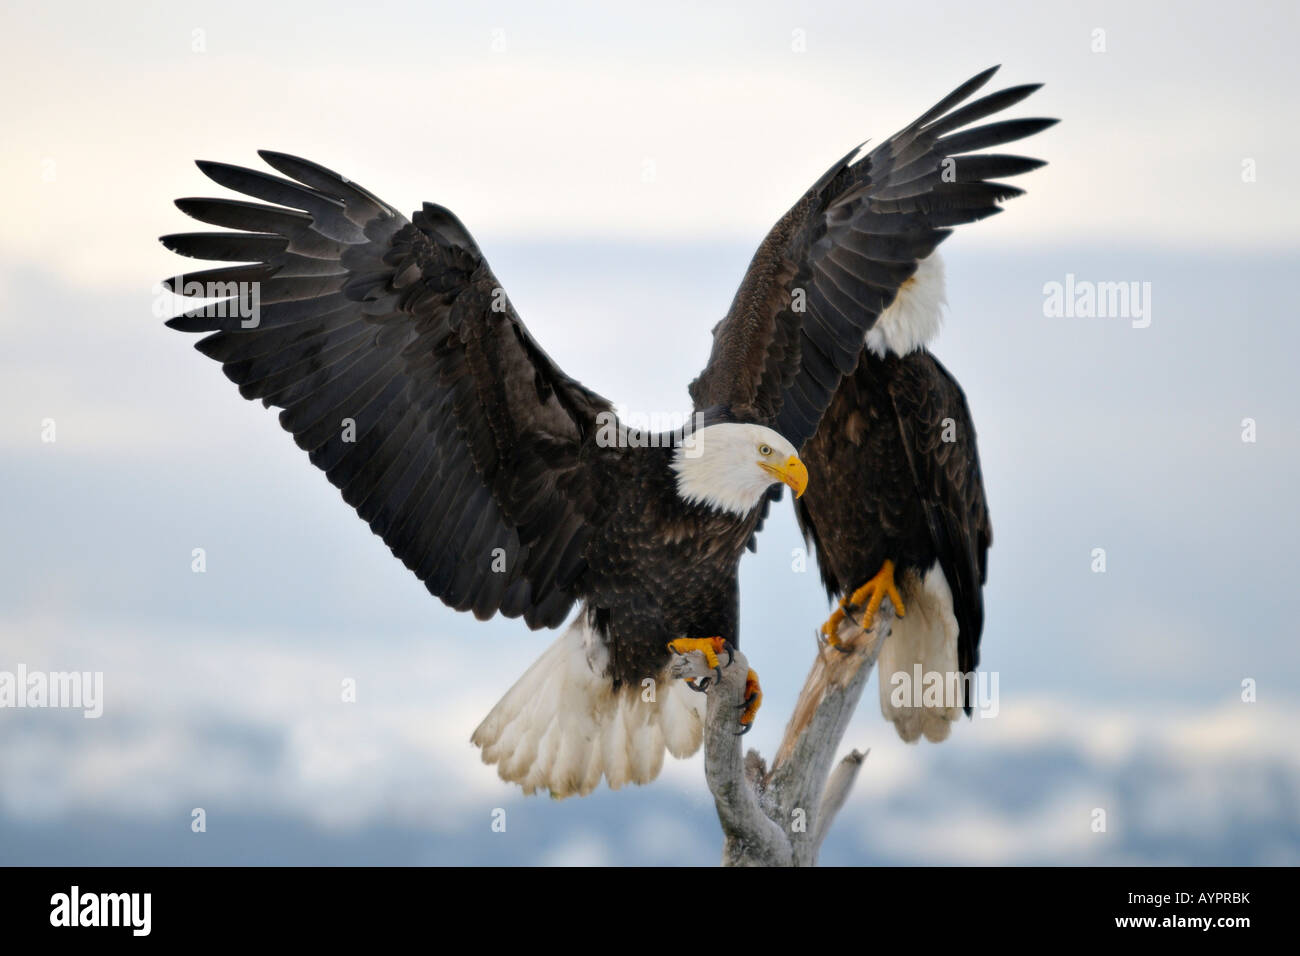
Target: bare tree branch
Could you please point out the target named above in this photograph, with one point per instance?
(837, 791)
(780, 817)
(750, 836)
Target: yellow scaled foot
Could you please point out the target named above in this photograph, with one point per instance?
(710, 647)
(753, 700)
(869, 595)
(832, 626)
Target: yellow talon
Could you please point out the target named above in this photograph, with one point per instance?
(753, 700)
(873, 592)
(832, 626)
(879, 586)
(710, 647)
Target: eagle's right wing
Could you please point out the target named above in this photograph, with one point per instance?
(837, 259)
(404, 372)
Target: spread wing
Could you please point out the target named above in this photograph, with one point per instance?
(836, 260)
(406, 376)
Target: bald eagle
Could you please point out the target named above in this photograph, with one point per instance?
(898, 509)
(914, 528)
(404, 372)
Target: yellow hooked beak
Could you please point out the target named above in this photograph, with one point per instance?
(792, 473)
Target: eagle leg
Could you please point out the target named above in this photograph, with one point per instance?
(753, 700)
(873, 592)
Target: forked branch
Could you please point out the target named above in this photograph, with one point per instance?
(779, 817)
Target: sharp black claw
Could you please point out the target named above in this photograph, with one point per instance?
(703, 684)
(731, 652)
(718, 670)
(746, 728)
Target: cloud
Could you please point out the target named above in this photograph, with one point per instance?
(250, 728)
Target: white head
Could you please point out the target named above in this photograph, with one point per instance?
(730, 466)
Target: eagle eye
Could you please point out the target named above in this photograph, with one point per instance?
(765, 450)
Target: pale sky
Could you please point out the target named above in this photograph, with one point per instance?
(665, 122)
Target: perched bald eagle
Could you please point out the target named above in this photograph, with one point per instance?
(506, 486)
(915, 528)
(897, 509)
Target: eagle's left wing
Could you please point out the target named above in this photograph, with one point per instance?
(836, 260)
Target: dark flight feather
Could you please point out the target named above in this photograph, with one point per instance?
(836, 260)
(386, 346)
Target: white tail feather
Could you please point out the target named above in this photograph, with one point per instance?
(562, 726)
(922, 643)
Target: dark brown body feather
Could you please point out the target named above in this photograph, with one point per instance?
(890, 487)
